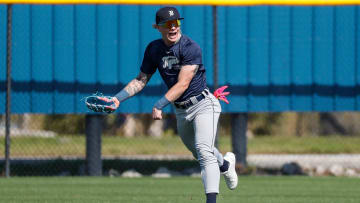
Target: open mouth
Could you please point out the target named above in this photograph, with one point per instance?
(172, 35)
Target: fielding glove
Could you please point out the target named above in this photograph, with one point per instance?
(102, 104)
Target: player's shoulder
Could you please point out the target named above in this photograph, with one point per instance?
(189, 43)
(155, 44)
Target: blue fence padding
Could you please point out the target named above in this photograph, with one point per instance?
(323, 56)
(301, 59)
(42, 59)
(259, 58)
(279, 58)
(274, 58)
(64, 59)
(345, 50)
(235, 68)
(22, 79)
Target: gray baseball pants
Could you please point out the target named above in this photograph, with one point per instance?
(197, 126)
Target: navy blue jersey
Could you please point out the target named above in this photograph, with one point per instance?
(169, 61)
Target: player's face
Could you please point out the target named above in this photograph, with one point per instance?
(170, 31)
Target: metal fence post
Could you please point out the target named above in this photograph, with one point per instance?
(93, 125)
(238, 137)
(8, 92)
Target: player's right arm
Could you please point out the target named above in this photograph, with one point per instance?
(137, 84)
(132, 88)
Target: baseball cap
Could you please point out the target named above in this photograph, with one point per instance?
(167, 13)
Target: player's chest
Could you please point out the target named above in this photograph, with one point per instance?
(169, 62)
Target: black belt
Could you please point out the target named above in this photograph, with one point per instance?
(192, 100)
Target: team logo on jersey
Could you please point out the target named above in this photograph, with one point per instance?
(169, 61)
(171, 13)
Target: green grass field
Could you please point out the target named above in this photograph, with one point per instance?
(276, 189)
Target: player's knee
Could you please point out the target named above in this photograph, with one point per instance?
(205, 155)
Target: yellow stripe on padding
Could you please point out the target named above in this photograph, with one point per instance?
(191, 2)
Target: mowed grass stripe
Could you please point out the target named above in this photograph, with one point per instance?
(254, 189)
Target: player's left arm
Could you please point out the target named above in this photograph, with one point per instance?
(186, 74)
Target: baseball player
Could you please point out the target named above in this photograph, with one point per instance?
(179, 62)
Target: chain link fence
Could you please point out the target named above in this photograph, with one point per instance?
(56, 144)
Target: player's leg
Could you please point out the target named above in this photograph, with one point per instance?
(212, 106)
(186, 132)
(219, 156)
(205, 128)
(205, 134)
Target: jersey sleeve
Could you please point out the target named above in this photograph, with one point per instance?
(192, 54)
(148, 66)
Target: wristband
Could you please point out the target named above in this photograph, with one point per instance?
(160, 104)
(122, 95)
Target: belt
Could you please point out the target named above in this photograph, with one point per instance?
(192, 100)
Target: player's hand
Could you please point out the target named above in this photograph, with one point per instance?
(114, 99)
(156, 114)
